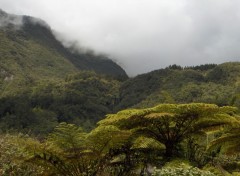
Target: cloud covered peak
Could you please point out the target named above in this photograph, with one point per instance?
(143, 35)
(9, 19)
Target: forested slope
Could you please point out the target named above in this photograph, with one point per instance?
(208, 83)
(42, 82)
(30, 52)
(65, 113)
(82, 98)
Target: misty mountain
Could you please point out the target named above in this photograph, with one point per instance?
(29, 51)
(43, 83)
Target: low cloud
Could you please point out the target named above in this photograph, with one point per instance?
(9, 19)
(143, 35)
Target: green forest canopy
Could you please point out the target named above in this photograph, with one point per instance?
(127, 142)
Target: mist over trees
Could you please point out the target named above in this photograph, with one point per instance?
(69, 113)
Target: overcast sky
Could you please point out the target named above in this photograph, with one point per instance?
(144, 35)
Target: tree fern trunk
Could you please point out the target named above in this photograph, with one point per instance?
(169, 149)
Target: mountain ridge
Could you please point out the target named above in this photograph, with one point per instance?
(43, 82)
(31, 43)
(176, 83)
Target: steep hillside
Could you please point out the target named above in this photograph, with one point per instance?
(209, 83)
(29, 51)
(86, 97)
(41, 33)
(42, 83)
(83, 98)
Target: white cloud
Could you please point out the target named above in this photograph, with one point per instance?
(143, 35)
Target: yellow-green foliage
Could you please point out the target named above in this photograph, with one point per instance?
(125, 143)
(181, 170)
(229, 140)
(104, 138)
(218, 84)
(66, 136)
(14, 156)
(170, 124)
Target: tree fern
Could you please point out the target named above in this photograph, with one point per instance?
(171, 123)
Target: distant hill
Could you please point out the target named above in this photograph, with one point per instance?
(29, 51)
(208, 83)
(86, 97)
(43, 83)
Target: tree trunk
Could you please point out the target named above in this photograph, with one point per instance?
(169, 149)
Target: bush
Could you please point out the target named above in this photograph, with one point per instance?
(181, 170)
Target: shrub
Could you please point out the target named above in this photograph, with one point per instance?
(181, 170)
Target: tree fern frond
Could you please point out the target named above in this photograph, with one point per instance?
(230, 140)
(147, 143)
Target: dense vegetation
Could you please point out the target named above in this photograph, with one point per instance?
(75, 114)
(81, 99)
(43, 83)
(29, 52)
(206, 83)
(132, 142)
